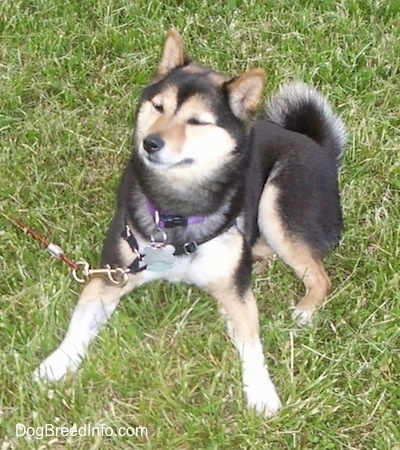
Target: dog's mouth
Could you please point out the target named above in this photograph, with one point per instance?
(154, 159)
(163, 158)
(160, 161)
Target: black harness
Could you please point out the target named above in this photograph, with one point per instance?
(188, 248)
(166, 220)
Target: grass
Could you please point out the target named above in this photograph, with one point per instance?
(70, 76)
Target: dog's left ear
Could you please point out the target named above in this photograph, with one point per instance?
(173, 53)
(245, 93)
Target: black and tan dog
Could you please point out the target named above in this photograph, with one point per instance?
(205, 191)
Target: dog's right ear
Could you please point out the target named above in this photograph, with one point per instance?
(173, 53)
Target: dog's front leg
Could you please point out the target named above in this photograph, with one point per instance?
(243, 327)
(95, 306)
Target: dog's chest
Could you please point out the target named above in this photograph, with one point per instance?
(181, 270)
(213, 260)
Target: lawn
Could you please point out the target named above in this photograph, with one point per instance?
(70, 76)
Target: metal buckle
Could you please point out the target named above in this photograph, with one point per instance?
(189, 247)
(174, 221)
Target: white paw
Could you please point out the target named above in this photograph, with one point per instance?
(55, 367)
(261, 393)
(301, 316)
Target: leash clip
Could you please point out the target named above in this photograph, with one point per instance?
(117, 276)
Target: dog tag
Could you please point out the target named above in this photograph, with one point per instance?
(158, 256)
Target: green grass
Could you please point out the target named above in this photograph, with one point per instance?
(70, 76)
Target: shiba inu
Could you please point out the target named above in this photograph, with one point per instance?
(206, 190)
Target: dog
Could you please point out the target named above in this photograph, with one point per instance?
(207, 189)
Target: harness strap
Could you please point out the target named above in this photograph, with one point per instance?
(187, 248)
(134, 267)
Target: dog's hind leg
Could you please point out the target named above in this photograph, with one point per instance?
(241, 314)
(262, 254)
(294, 252)
(95, 306)
(312, 272)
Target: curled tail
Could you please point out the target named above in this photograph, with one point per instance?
(301, 108)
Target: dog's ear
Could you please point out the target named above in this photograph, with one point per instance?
(173, 53)
(245, 93)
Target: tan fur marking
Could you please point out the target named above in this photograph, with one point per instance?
(176, 137)
(96, 290)
(196, 106)
(241, 313)
(217, 78)
(195, 68)
(295, 253)
(171, 131)
(311, 271)
(100, 290)
(148, 116)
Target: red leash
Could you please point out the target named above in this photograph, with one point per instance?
(81, 271)
(53, 249)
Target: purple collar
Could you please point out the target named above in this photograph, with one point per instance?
(168, 220)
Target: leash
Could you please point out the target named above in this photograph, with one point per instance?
(53, 249)
(81, 271)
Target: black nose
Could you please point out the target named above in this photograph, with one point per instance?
(153, 143)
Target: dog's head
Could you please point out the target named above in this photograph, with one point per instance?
(191, 118)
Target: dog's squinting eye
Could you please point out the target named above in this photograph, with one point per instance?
(194, 121)
(158, 107)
